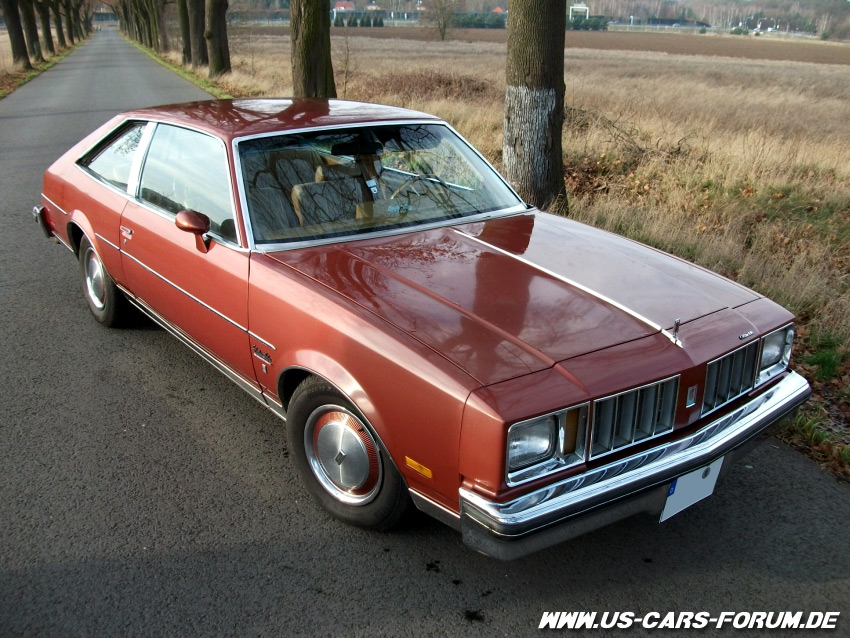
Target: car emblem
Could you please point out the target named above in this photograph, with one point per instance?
(749, 333)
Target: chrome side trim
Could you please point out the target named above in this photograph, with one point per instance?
(106, 241)
(63, 242)
(240, 380)
(611, 302)
(188, 294)
(275, 406)
(259, 338)
(54, 204)
(584, 492)
(434, 509)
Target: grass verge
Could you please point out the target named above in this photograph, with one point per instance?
(214, 88)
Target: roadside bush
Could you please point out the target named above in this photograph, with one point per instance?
(591, 24)
(365, 21)
(339, 21)
(740, 31)
(352, 21)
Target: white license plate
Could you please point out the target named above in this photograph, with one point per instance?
(691, 488)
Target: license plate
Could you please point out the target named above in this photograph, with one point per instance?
(691, 488)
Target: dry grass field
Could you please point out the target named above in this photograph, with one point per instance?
(740, 164)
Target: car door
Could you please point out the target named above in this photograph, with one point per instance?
(197, 285)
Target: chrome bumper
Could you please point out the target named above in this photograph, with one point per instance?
(638, 483)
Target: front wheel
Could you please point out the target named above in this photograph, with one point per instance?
(340, 460)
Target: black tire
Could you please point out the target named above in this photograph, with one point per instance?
(340, 460)
(108, 304)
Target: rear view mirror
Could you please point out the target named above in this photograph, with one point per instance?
(196, 223)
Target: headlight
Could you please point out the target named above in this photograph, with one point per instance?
(546, 444)
(532, 441)
(775, 353)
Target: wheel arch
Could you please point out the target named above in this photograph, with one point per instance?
(79, 227)
(343, 382)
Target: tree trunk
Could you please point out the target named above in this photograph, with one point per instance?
(216, 36)
(197, 22)
(534, 100)
(77, 21)
(30, 30)
(57, 23)
(43, 8)
(20, 57)
(69, 22)
(183, 21)
(312, 69)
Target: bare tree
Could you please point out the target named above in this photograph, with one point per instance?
(20, 57)
(185, 36)
(30, 30)
(218, 50)
(312, 68)
(43, 8)
(441, 14)
(534, 100)
(197, 20)
(55, 8)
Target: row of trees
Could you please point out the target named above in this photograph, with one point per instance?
(534, 99)
(202, 23)
(71, 19)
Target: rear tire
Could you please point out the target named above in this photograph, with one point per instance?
(340, 459)
(106, 302)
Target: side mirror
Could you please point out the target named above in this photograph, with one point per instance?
(196, 223)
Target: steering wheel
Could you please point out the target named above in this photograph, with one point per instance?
(430, 177)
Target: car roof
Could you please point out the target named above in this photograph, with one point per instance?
(231, 119)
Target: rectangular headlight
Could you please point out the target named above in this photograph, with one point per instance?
(775, 353)
(546, 444)
(532, 441)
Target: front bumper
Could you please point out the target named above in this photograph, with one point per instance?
(638, 483)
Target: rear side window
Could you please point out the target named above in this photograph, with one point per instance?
(113, 161)
(187, 170)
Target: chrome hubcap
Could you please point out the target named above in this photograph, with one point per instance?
(95, 281)
(342, 455)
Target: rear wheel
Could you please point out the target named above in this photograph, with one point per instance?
(106, 302)
(340, 459)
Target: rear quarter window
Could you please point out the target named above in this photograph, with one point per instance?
(112, 160)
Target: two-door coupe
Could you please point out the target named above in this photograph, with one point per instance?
(429, 338)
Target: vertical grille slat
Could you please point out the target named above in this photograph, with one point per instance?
(729, 377)
(633, 416)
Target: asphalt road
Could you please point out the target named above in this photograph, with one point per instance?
(141, 493)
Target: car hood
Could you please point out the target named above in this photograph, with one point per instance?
(512, 295)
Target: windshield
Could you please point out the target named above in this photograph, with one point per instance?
(327, 184)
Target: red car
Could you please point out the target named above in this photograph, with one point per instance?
(429, 338)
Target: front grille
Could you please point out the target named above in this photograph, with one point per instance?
(730, 376)
(634, 416)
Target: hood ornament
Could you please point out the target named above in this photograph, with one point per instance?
(676, 324)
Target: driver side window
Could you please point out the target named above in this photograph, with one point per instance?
(187, 170)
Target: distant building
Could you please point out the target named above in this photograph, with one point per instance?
(579, 10)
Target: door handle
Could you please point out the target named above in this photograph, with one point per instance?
(127, 233)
